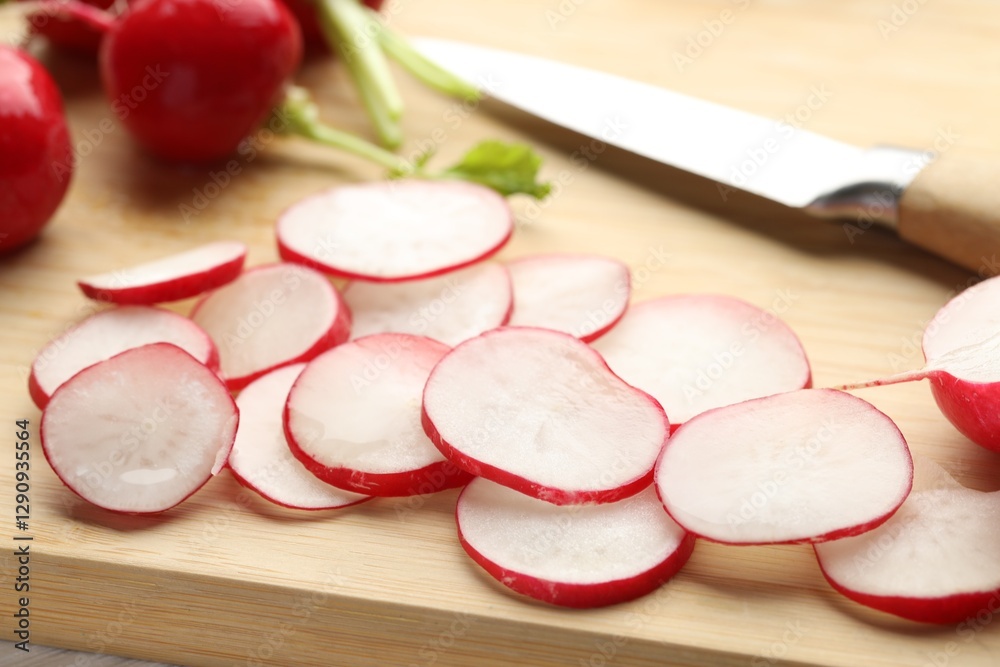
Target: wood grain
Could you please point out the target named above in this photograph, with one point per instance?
(226, 580)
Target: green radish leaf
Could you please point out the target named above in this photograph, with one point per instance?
(507, 168)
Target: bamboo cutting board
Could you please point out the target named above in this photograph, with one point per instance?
(225, 579)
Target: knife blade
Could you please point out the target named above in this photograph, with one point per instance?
(931, 206)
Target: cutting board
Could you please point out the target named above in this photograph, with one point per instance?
(226, 579)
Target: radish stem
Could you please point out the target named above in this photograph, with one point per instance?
(348, 28)
(428, 72)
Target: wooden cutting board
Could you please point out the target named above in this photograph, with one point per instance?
(227, 580)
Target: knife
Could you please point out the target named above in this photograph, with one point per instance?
(948, 206)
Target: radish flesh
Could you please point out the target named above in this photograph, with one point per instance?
(140, 432)
(111, 332)
(962, 351)
(934, 561)
(805, 466)
(272, 316)
(573, 555)
(395, 230)
(353, 418)
(582, 295)
(449, 308)
(261, 459)
(171, 278)
(539, 411)
(702, 351)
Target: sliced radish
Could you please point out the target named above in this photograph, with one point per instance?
(449, 308)
(171, 278)
(140, 432)
(111, 332)
(395, 230)
(272, 316)
(575, 555)
(962, 349)
(353, 418)
(539, 411)
(261, 460)
(806, 466)
(935, 561)
(701, 351)
(582, 295)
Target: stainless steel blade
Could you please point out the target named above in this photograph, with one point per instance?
(771, 158)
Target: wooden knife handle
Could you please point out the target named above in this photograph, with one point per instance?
(952, 208)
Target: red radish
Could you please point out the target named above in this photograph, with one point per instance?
(701, 351)
(540, 412)
(353, 418)
(171, 278)
(582, 295)
(392, 231)
(65, 28)
(261, 460)
(806, 466)
(195, 99)
(934, 561)
(140, 432)
(109, 333)
(36, 160)
(962, 351)
(449, 308)
(272, 316)
(575, 555)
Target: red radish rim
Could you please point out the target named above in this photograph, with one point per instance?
(250, 487)
(171, 289)
(41, 398)
(505, 478)
(220, 461)
(339, 331)
(288, 254)
(628, 284)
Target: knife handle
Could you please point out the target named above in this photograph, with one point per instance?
(952, 209)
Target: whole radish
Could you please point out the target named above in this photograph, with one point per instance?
(192, 78)
(36, 159)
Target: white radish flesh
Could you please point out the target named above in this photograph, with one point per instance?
(574, 555)
(272, 316)
(582, 295)
(111, 332)
(449, 308)
(701, 351)
(805, 466)
(140, 432)
(171, 278)
(934, 561)
(353, 418)
(261, 459)
(539, 411)
(396, 230)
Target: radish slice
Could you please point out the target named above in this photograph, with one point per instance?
(395, 230)
(111, 332)
(272, 316)
(539, 411)
(934, 561)
(353, 418)
(576, 555)
(806, 466)
(582, 295)
(261, 460)
(702, 351)
(962, 348)
(449, 308)
(140, 432)
(172, 278)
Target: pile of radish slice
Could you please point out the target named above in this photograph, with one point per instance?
(595, 442)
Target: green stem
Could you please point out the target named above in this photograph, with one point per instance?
(350, 30)
(302, 117)
(400, 50)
